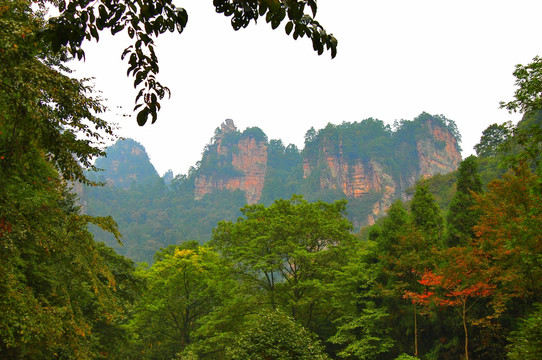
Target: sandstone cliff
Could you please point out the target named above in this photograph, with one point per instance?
(367, 162)
(438, 152)
(233, 161)
(374, 165)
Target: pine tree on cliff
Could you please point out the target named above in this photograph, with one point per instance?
(461, 217)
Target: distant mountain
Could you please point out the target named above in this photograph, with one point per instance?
(126, 163)
(369, 163)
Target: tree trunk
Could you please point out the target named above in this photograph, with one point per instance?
(415, 331)
(464, 315)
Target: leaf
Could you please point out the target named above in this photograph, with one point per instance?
(103, 12)
(142, 117)
(289, 27)
(313, 6)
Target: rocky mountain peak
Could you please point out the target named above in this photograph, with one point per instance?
(228, 126)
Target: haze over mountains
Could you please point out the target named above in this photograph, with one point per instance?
(368, 163)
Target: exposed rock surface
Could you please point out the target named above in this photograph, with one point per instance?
(248, 156)
(438, 153)
(235, 160)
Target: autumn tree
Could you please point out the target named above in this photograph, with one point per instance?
(509, 231)
(459, 281)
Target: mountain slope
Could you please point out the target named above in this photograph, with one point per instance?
(367, 162)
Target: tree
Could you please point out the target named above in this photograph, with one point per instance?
(363, 330)
(461, 216)
(509, 231)
(528, 96)
(492, 140)
(58, 294)
(287, 250)
(181, 289)
(458, 282)
(392, 226)
(274, 335)
(82, 20)
(425, 214)
(404, 252)
(40, 106)
(526, 341)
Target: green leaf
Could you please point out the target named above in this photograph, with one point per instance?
(313, 6)
(289, 27)
(142, 116)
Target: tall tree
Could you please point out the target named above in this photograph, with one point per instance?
(188, 283)
(461, 217)
(288, 250)
(58, 294)
(363, 330)
(509, 231)
(425, 214)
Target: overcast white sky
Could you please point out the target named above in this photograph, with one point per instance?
(396, 59)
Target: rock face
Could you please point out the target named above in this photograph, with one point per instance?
(420, 150)
(233, 161)
(438, 153)
(366, 162)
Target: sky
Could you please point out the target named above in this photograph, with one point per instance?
(396, 59)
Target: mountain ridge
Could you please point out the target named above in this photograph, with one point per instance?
(352, 159)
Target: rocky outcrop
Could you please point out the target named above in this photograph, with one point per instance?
(438, 153)
(251, 160)
(367, 162)
(360, 176)
(245, 171)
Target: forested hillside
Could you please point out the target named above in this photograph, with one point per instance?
(366, 162)
(423, 282)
